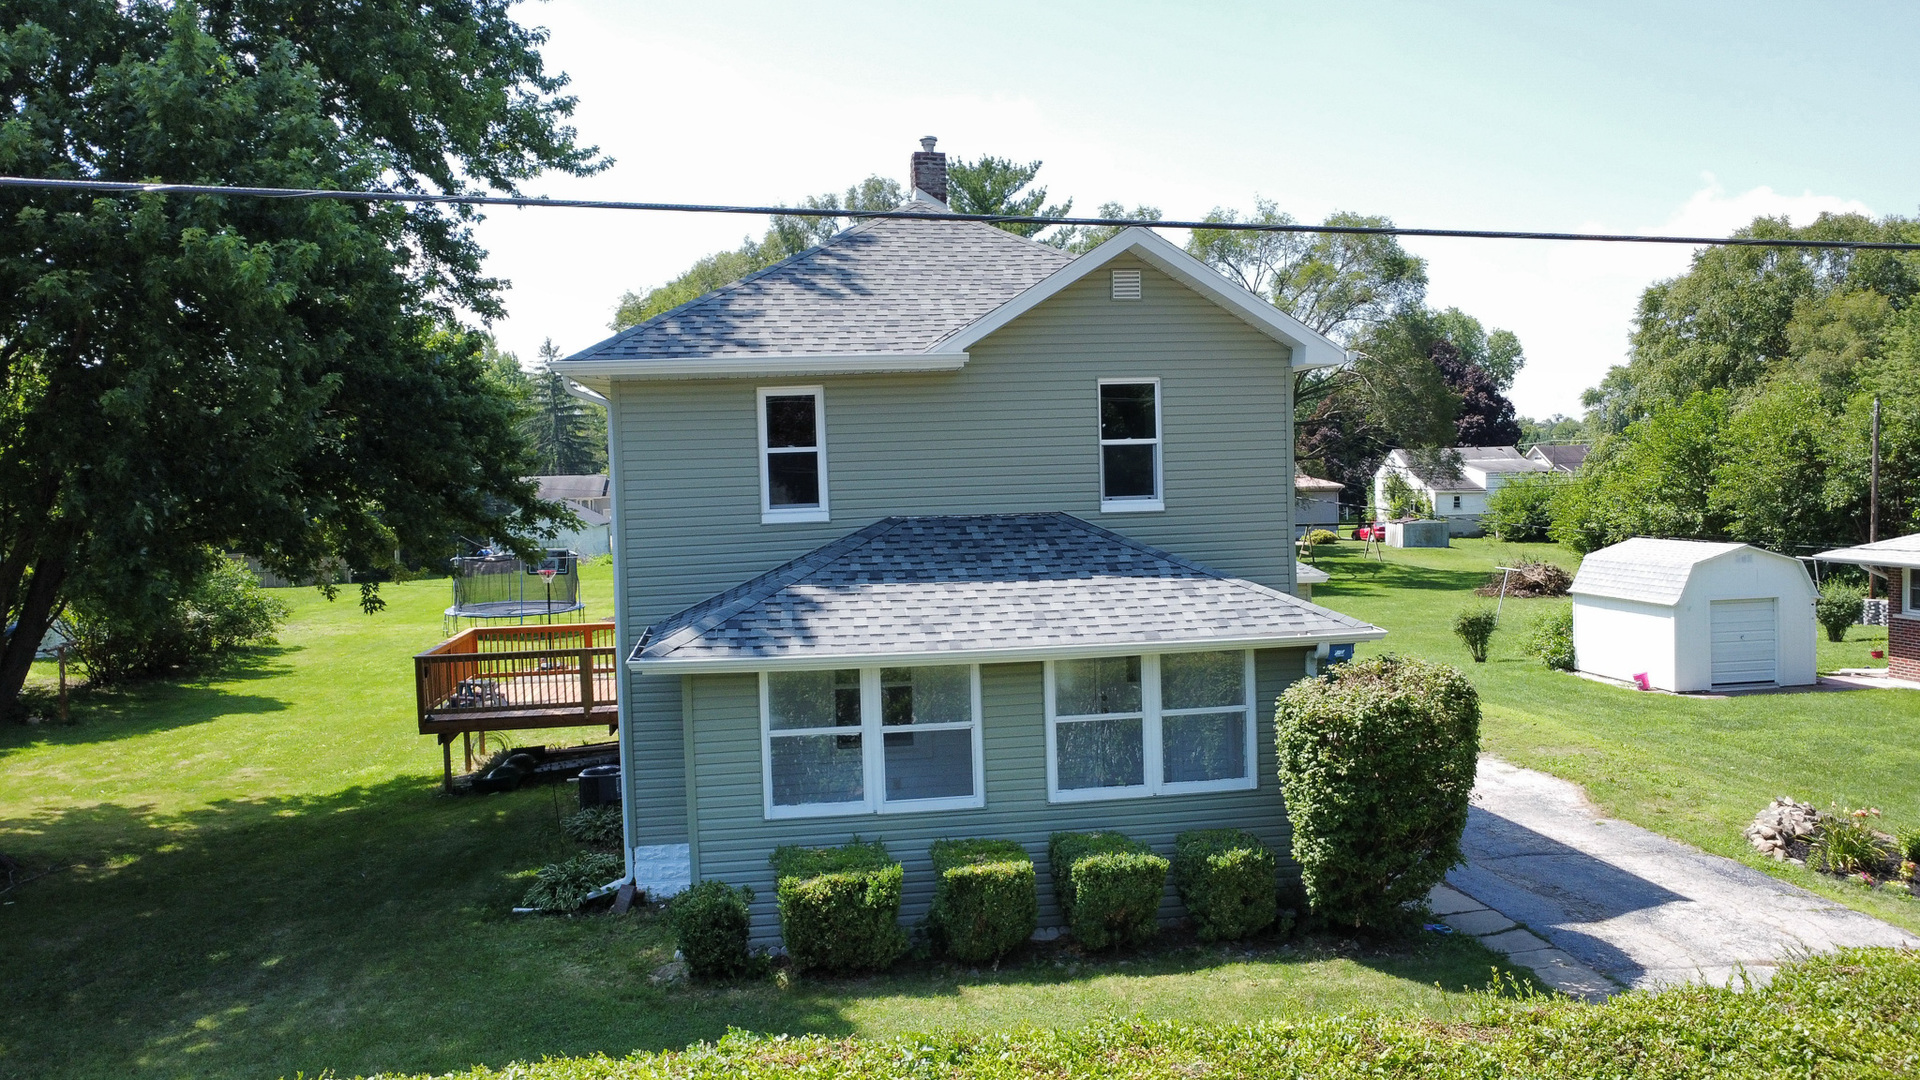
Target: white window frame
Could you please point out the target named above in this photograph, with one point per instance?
(873, 758)
(1134, 504)
(769, 513)
(1911, 609)
(1153, 758)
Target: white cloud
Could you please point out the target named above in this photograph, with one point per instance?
(1572, 304)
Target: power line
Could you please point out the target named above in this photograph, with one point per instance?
(118, 187)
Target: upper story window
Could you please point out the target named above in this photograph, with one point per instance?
(1130, 445)
(793, 454)
(1130, 726)
(871, 740)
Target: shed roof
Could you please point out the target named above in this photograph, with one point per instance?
(1645, 569)
(582, 486)
(1303, 482)
(990, 588)
(1901, 551)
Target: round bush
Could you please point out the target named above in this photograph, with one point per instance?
(1839, 607)
(711, 922)
(1475, 627)
(1318, 537)
(1376, 763)
(1552, 638)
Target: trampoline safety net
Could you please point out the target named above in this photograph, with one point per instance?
(504, 587)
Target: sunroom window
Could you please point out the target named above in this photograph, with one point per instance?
(867, 740)
(1149, 725)
(793, 455)
(1130, 445)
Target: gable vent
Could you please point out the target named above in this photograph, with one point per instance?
(1126, 284)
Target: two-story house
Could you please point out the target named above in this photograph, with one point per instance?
(1459, 500)
(935, 531)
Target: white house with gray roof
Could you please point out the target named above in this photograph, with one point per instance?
(1459, 500)
(934, 531)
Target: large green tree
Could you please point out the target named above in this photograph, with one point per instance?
(283, 377)
(995, 185)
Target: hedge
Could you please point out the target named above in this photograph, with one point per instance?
(1377, 758)
(711, 922)
(839, 907)
(1108, 886)
(1226, 877)
(985, 904)
(1854, 1013)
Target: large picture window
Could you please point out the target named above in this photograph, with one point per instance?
(1130, 726)
(793, 455)
(1130, 445)
(871, 740)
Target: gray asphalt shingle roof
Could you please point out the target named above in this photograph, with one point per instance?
(1646, 569)
(918, 586)
(885, 285)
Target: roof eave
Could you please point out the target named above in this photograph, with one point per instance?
(1865, 556)
(600, 374)
(1310, 348)
(667, 665)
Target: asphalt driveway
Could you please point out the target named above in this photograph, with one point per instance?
(1613, 898)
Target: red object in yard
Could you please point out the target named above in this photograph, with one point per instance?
(1370, 532)
(1642, 681)
(1878, 654)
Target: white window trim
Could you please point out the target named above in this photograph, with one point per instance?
(873, 755)
(770, 514)
(1134, 504)
(1910, 600)
(1153, 764)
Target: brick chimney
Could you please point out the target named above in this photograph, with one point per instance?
(929, 171)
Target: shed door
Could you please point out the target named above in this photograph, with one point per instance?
(1744, 643)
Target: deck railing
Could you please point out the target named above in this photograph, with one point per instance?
(491, 675)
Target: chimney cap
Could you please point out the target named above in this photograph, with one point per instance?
(926, 143)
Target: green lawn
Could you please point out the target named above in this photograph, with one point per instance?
(1694, 769)
(255, 874)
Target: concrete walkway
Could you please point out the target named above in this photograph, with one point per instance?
(1613, 900)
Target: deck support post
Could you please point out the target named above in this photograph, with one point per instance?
(446, 763)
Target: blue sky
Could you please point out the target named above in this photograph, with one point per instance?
(1612, 117)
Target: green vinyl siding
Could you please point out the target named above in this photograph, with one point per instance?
(1015, 430)
(734, 836)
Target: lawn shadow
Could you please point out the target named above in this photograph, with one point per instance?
(102, 714)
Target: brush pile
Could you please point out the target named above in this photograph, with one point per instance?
(1528, 580)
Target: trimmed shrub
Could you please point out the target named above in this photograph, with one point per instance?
(595, 825)
(839, 907)
(1840, 606)
(1475, 627)
(1552, 638)
(1376, 762)
(1226, 879)
(563, 886)
(1108, 886)
(985, 903)
(1318, 537)
(710, 925)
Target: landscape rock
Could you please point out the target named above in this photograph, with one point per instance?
(1785, 829)
(675, 972)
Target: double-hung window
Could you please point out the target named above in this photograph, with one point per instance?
(871, 740)
(1130, 460)
(1913, 592)
(793, 454)
(1129, 726)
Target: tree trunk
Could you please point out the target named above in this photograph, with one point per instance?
(37, 610)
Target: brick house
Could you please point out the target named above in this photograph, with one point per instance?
(1899, 560)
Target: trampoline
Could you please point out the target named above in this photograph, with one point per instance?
(492, 589)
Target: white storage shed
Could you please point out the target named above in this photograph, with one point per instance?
(1694, 616)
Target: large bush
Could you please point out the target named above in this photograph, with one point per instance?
(1840, 606)
(839, 907)
(711, 922)
(1108, 886)
(1376, 763)
(984, 899)
(1521, 510)
(1227, 880)
(1552, 638)
(223, 610)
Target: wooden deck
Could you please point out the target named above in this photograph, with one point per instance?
(507, 678)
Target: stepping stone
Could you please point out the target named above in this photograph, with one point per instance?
(1479, 923)
(1445, 901)
(1514, 941)
(1565, 974)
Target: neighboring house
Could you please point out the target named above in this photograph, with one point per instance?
(1316, 503)
(1562, 458)
(591, 500)
(1691, 615)
(1459, 501)
(933, 531)
(1899, 561)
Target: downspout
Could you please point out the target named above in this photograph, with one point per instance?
(620, 692)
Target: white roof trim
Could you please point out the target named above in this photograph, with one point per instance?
(1009, 655)
(1883, 553)
(598, 373)
(1310, 348)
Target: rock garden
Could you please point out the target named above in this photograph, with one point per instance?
(1843, 844)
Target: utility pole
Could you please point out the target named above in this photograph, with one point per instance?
(1873, 487)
